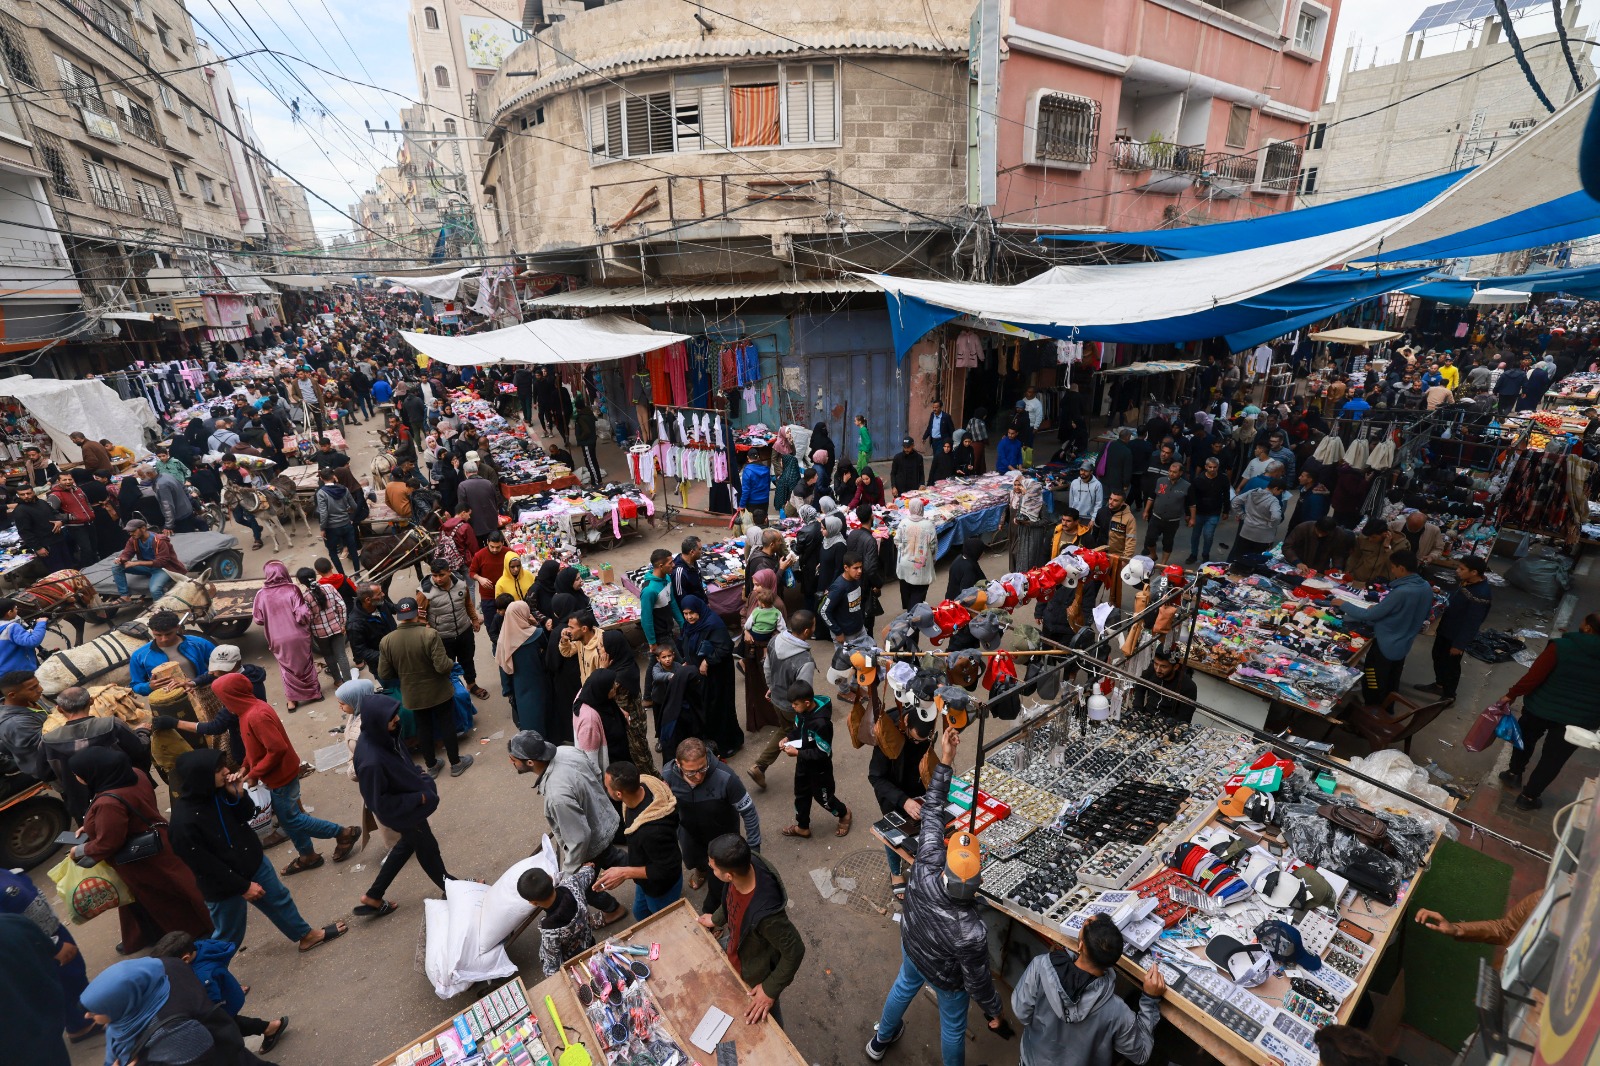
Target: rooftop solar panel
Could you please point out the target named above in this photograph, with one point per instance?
(1454, 12)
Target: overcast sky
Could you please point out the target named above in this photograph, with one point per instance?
(327, 148)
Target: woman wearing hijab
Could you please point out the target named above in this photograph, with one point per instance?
(785, 469)
(598, 727)
(758, 710)
(139, 1000)
(808, 549)
(965, 571)
(515, 581)
(563, 670)
(944, 461)
(844, 488)
(568, 581)
(706, 647)
(520, 655)
(123, 804)
(133, 502)
(544, 591)
(618, 657)
(830, 564)
(822, 444)
(397, 791)
(281, 610)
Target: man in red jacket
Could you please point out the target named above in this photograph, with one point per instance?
(270, 758)
(78, 515)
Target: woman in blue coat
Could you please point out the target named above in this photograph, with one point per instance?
(520, 655)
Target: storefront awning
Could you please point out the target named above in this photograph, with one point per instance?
(1353, 335)
(1150, 369)
(657, 295)
(546, 341)
(434, 286)
(297, 281)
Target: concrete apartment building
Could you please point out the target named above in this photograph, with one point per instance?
(1439, 112)
(725, 174)
(456, 47)
(1134, 114)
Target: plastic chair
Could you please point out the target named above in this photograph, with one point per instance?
(1398, 721)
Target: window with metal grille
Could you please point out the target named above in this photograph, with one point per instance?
(1067, 128)
(154, 202)
(1281, 165)
(81, 89)
(105, 187)
(54, 155)
(14, 48)
(1238, 134)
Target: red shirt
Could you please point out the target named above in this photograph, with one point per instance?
(735, 902)
(487, 564)
(340, 583)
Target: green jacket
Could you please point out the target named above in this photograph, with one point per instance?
(770, 947)
(415, 655)
(1568, 694)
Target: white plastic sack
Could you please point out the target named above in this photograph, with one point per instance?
(437, 960)
(1393, 767)
(503, 910)
(465, 899)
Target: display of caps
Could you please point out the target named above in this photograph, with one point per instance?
(1281, 891)
(1283, 941)
(1174, 575)
(974, 599)
(996, 594)
(1233, 806)
(988, 628)
(1247, 964)
(950, 616)
(1016, 588)
(954, 703)
(900, 676)
(926, 683)
(1320, 891)
(901, 635)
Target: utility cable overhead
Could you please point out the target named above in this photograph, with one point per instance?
(1522, 60)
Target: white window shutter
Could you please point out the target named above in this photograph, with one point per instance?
(713, 117)
(824, 105)
(796, 113)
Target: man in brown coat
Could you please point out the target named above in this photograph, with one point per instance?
(416, 655)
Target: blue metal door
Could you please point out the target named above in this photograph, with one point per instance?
(866, 383)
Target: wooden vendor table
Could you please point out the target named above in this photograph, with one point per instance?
(1207, 1032)
(1275, 699)
(533, 488)
(691, 975)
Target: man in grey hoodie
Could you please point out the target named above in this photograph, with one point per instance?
(336, 514)
(1260, 511)
(789, 663)
(581, 816)
(1068, 1006)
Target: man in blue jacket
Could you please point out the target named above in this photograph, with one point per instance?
(1396, 620)
(18, 639)
(755, 486)
(1008, 453)
(168, 643)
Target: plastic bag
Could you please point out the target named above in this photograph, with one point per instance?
(89, 891)
(1510, 730)
(1482, 733)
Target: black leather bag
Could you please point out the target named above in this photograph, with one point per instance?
(138, 846)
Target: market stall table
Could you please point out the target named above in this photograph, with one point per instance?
(690, 975)
(1046, 870)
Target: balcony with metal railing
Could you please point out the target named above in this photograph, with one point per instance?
(111, 21)
(1234, 168)
(1157, 155)
(111, 199)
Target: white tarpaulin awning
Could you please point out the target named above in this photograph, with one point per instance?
(297, 281)
(1500, 296)
(1354, 335)
(547, 340)
(437, 286)
(242, 276)
(62, 407)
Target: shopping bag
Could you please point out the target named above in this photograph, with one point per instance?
(1510, 730)
(89, 891)
(1482, 733)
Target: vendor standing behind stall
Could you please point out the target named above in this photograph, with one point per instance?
(1396, 620)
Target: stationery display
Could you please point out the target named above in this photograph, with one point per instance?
(498, 1030)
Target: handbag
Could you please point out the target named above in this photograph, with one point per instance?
(138, 846)
(1482, 733)
(1366, 826)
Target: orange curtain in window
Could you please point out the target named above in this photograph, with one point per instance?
(755, 115)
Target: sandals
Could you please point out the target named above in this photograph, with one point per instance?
(270, 1041)
(844, 825)
(301, 864)
(367, 910)
(696, 879)
(614, 916)
(479, 692)
(796, 831)
(345, 842)
(329, 932)
(899, 890)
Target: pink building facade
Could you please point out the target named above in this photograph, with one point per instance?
(1133, 114)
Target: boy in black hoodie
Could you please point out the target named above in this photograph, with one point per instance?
(810, 744)
(210, 831)
(650, 828)
(762, 942)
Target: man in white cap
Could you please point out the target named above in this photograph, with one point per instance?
(225, 659)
